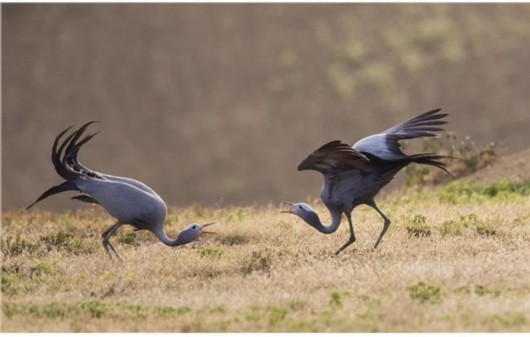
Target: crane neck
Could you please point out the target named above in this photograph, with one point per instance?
(162, 236)
(315, 222)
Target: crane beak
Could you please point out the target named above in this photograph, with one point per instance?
(206, 225)
(288, 203)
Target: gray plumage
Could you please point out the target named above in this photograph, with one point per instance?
(128, 200)
(353, 175)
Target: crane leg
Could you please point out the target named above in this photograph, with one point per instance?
(106, 242)
(352, 236)
(385, 225)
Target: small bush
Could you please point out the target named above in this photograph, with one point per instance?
(15, 246)
(336, 299)
(57, 240)
(259, 261)
(277, 316)
(509, 321)
(210, 253)
(472, 158)
(485, 230)
(481, 290)
(425, 293)
(234, 239)
(470, 220)
(51, 310)
(473, 221)
(451, 228)
(172, 311)
(417, 227)
(95, 308)
(9, 284)
(478, 290)
(69, 242)
(46, 268)
(127, 238)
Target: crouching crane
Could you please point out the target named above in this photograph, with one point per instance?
(353, 175)
(128, 200)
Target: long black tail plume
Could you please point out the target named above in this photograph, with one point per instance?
(66, 186)
(430, 159)
(64, 159)
(71, 151)
(56, 156)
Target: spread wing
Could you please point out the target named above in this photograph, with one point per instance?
(385, 145)
(335, 156)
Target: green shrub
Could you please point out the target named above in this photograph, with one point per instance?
(95, 308)
(276, 316)
(234, 239)
(417, 227)
(471, 158)
(127, 238)
(335, 300)
(425, 293)
(15, 246)
(210, 253)
(450, 227)
(260, 260)
(485, 230)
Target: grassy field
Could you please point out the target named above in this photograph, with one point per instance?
(456, 258)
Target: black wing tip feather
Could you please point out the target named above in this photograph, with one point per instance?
(422, 125)
(332, 154)
(338, 146)
(431, 115)
(433, 111)
(329, 145)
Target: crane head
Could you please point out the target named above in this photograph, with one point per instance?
(297, 208)
(192, 232)
(302, 210)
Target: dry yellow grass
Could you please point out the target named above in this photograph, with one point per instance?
(443, 266)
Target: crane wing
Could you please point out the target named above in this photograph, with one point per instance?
(335, 155)
(385, 145)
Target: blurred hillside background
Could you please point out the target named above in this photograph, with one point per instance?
(217, 103)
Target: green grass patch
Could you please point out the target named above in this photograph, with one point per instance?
(425, 293)
(67, 241)
(127, 238)
(507, 320)
(210, 253)
(14, 246)
(478, 290)
(463, 192)
(92, 309)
